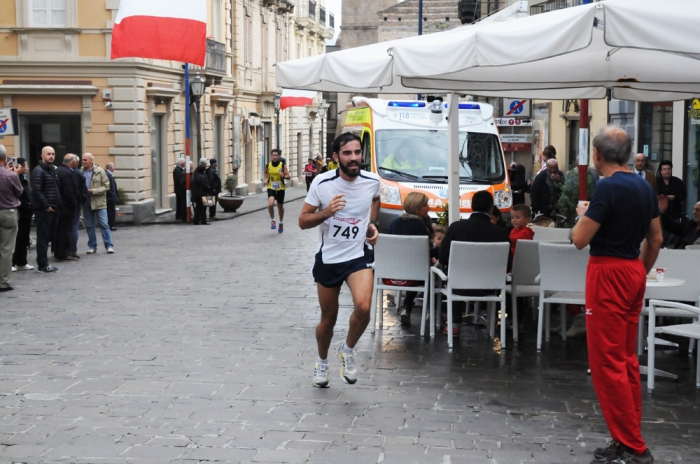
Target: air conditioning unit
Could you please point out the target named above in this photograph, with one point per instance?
(469, 10)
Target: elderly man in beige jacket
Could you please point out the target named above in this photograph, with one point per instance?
(95, 207)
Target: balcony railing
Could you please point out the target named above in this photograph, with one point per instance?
(552, 5)
(216, 56)
(331, 21)
(322, 15)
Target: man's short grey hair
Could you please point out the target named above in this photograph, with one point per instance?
(180, 161)
(553, 162)
(68, 159)
(203, 162)
(613, 144)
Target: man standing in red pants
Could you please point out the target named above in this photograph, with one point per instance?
(623, 211)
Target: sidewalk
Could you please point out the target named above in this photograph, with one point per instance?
(252, 203)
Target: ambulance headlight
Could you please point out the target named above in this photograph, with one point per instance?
(503, 198)
(389, 195)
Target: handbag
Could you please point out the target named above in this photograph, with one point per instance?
(208, 200)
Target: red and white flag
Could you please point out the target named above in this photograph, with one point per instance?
(296, 98)
(161, 29)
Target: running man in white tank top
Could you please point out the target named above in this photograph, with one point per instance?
(345, 204)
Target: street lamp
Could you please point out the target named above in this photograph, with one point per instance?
(197, 90)
(278, 126)
(322, 114)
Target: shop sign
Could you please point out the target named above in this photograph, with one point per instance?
(513, 122)
(8, 122)
(694, 113)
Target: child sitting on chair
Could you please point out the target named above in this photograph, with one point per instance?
(520, 215)
(438, 234)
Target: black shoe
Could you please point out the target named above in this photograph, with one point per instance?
(628, 457)
(6, 289)
(113, 229)
(405, 317)
(47, 269)
(610, 452)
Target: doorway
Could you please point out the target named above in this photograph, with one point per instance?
(62, 132)
(157, 161)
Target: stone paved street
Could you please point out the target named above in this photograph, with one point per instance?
(196, 344)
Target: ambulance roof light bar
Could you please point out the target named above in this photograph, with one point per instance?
(406, 104)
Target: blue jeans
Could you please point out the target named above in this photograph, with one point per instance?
(101, 215)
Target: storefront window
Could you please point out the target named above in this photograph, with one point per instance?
(692, 153)
(540, 139)
(656, 131)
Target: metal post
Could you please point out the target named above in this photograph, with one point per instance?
(188, 212)
(199, 131)
(583, 152)
(420, 29)
(323, 140)
(278, 129)
(453, 157)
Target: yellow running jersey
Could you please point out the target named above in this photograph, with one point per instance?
(274, 176)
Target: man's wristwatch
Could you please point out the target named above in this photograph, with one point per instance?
(375, 224)
(577, 218)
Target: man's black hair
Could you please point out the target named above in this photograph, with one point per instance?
(482, 202)
(21, 161)
(665, 163)
(344, 139)
(276, 150)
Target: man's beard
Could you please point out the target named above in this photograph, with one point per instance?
(346, 168)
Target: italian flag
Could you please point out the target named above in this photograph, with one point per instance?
(291, 98)
(161, 29)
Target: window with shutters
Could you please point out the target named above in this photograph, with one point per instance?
(47, 13)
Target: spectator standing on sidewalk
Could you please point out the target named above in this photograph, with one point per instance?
(112, 197)
(95, 208)
(623, 212)
(10, 191)
(46, 200)
(179, 182)
(24, 224)
(81, 192)
(200, 188)
(214, 185)
(69, 201)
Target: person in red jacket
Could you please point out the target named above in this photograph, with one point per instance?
(520, 215)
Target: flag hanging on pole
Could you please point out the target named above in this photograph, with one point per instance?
(161, 29)
(291, 98)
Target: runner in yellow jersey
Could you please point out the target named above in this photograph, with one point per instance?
(332, 165)
(275, 174)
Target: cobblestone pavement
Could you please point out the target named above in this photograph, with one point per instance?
(196, 344)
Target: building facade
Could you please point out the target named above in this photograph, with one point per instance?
(55, 69)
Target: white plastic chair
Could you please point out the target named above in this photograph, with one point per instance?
(679, 264)
(473, 266)
(691, 330)
(526, 267)
(551, 234)
(399, 257)
(562, 281)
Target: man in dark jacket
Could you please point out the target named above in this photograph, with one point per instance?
(46, 200)
(518, 183)
(24, 224)
(179, 183)
(545, 189)
(478, 228)
(200, 188)
(672, 188)
(69, 201)
(214, 185)
(82, 195)
(112, 197)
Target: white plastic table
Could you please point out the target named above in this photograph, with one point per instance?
(666, 282)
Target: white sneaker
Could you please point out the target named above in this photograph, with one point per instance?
(26, 267)
(348, 370)
(91, 251)
(14, 269)
(110, 250)
(320, 376)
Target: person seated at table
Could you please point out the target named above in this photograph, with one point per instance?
(402, 160)
(520, 215)
(477, 228)
(414, 221)
(686, 232)
(497, 218)
(438, 234)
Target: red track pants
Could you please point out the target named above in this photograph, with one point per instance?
(614, 297)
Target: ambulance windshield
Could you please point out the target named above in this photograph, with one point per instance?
(422, 154)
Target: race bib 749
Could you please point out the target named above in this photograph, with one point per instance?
(346, 229)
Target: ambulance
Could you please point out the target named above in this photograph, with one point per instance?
(405, 143)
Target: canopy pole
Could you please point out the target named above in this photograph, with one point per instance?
(583, 152)
(188, 199)
(453, 158)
